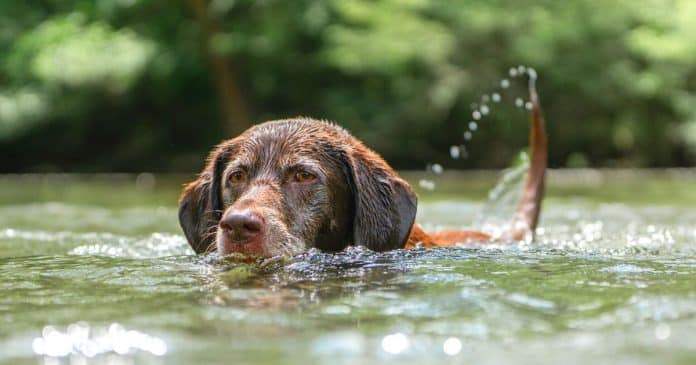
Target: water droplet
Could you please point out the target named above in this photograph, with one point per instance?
(467, 135)
(504, 83)
(528, 105)
(426, 184)
(39, 346)
(519, 102)
(495, 97)
(532, 73)
(485, 98)
(512, 72)
(662, 331)
(454, 152)
(521, 69)
(452, 346)
(437, 168)
(473, 126)
(395, 343)
(485, 109)
(476, 115)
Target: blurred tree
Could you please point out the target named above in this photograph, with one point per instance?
(128, 85)
(230, 96)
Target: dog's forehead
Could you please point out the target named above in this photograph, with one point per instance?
(288, 142)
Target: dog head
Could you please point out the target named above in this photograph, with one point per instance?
(285, 186)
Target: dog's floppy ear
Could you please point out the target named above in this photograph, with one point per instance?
(385, 205)
(200, 205)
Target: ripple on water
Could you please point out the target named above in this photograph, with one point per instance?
(601, 279)
(94, 243)
(626, 269)
(155, 245)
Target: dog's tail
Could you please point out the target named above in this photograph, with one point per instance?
(526, 215)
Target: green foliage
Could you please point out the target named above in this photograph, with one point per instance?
(367, 40)
(129, 84)
(66, 51)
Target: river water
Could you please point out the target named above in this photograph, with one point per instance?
(95, 270)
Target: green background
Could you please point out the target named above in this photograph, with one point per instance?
(133, 85)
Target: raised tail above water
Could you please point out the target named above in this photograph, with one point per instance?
(526, 215)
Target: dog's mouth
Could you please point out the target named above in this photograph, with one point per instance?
(268, 244)
(227, 245)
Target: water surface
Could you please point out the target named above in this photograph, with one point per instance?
(95, 270)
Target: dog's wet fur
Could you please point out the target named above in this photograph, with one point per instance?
(350, 195)
(285, 186)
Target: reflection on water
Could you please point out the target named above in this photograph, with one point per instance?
(80, 340)
(603, 283)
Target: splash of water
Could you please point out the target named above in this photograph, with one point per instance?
(502, 199)
(495, 215)
(480, 111)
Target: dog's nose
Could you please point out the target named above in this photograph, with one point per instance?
(242, 226)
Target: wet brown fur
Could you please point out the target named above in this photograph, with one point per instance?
(358, 198)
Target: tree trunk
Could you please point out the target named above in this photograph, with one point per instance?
(232, 103)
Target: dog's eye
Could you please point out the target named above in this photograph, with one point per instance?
(237, 177)
(304, 176)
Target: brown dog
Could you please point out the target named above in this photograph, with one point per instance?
(284, 186)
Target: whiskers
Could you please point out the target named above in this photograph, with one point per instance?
(212, 248)
(210, 236)
(279, 240)
(289, 247)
